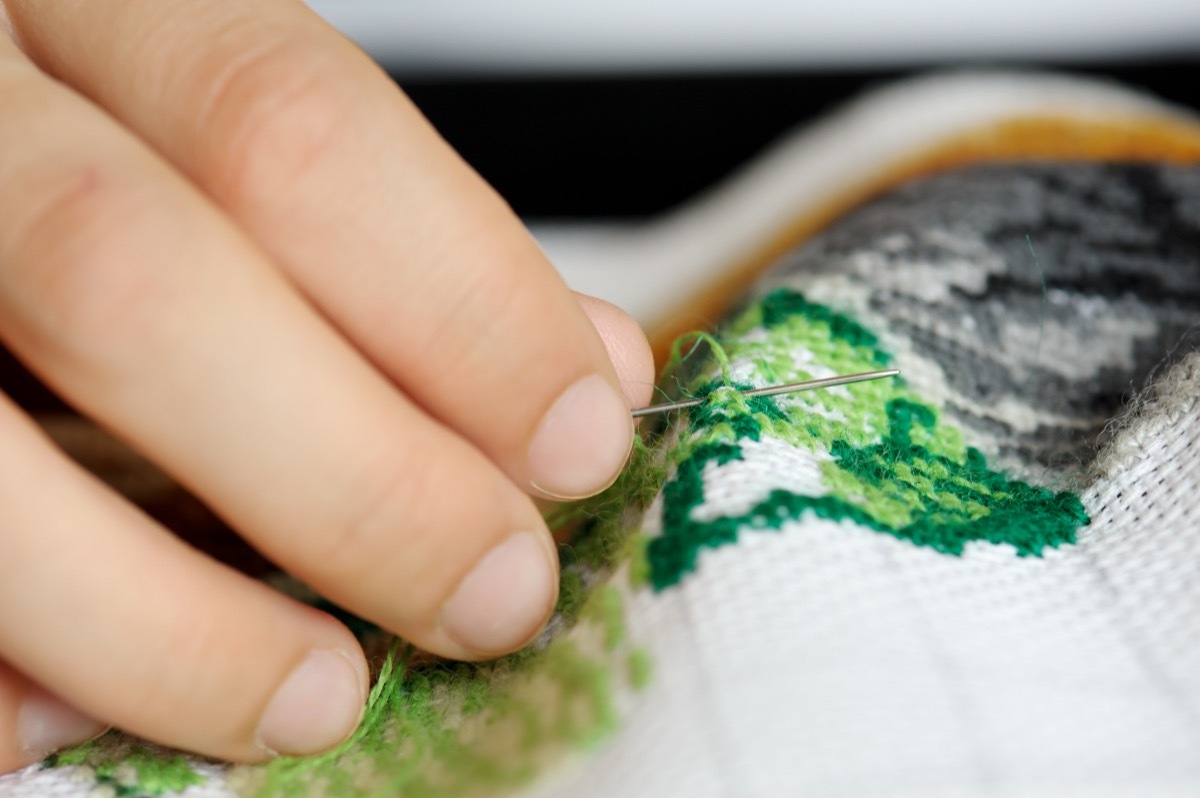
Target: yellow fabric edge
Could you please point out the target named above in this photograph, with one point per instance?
(1158, 139)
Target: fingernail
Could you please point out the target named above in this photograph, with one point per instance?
(47, 725)
(506, 599)
(317, 706)
(583, 441)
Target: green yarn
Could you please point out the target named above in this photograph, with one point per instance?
(639, 565)
(892, 466)
(122, 768)
(434, 729)
(606, 611)
(781, 307)
(439, 729)
(641, 668)
(571, 595)
(603, 535)
(458, 729)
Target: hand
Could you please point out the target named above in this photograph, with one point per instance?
(226, 236)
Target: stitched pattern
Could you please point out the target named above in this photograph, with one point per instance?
(885, 461)
(447, 730)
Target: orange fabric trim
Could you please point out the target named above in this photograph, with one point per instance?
(1160, 140)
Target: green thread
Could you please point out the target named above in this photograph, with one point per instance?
(128, 769)
(436, 729)
(451, 729)
(571, 595)
(609, 616)
(781, 306)
(676, 359)
(641, 668)
(639, 565)
(602, 535)
(893, 467)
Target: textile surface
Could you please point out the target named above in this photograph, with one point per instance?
(827, 658)
(979, 579)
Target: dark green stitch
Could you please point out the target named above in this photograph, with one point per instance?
(129, 769)
(898, 471)
(781, 305)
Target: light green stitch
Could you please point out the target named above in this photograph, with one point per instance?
(641, 667)
(442, 730)
(439, 730)
(128, 769)
(605, 609)
(892, 466)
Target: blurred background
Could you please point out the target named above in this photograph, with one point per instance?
(585, 110)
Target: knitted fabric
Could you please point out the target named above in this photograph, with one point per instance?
(819, 653)
(979, 579)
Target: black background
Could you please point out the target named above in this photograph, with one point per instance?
(633, 146)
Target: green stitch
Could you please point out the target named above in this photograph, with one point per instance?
(460, 729)
(571, 595)
(463, 729)
(607, 613)
(603, 537)
(439, 730)
(893, 466)
(641, 667)
(128, 769)
(70, 757)
(639, 566)
(155, 775)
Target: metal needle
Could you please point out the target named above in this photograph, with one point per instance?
(773, 390)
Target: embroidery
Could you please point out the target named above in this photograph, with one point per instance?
(434, 728)
(885, 460)
(129, 769)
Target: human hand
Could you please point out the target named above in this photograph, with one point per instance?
(226, 236)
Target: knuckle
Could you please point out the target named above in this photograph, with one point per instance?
(270, 117)
(70, 262)
(390, 527)
(497, 297)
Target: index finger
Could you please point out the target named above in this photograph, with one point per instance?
(397, 241)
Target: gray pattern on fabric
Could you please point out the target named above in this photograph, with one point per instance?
(944, 264)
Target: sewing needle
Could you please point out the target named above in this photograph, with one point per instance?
(774, 390)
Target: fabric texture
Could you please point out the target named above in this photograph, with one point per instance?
(978, 579)
(827, 658)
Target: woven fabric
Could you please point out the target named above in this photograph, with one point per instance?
(980, 579)
(827, 658)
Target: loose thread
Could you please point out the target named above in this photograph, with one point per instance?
(371, 724)
(677, 358)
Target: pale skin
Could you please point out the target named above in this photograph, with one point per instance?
(227, 237)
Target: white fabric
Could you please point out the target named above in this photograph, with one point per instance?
(831, 660)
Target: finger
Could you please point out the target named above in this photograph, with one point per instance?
(138, 629)
(35, 723)
(134, 298)
(389, 233)
(631, 357)
(627, 348)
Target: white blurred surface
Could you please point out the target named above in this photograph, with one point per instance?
(680, 35)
